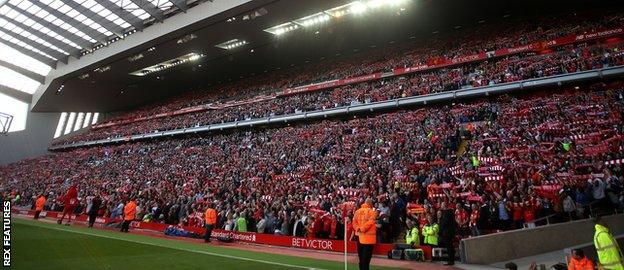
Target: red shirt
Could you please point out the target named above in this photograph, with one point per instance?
(71, 197)
(529, 211)
(474, 216)
(461, 216)
(517, 211)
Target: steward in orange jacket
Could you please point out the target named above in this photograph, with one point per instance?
(211, 216)
(129, 215)
(579, 261)
(211, 221)
(130, 210)
(364, 224)
(39, 205)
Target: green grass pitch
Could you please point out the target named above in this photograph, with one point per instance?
(38, 245)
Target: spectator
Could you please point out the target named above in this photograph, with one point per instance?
(511, 266)
(578, 261)
(262, 225)
(241, 222)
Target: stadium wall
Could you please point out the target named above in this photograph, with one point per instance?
(516, 244)
(31, 142)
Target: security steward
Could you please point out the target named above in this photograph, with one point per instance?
(129, 214)
(39, 203)
(412, 236)
(211, 220)
(366, 230)
(609, 253)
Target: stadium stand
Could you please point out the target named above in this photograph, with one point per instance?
(503, 162)
(261, 101)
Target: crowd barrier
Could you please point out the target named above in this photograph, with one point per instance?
(247, 237)
(511, 245)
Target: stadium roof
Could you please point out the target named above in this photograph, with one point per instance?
(36, 34)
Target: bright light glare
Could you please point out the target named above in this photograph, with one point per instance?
(375, 3)
(357, 8)
(354, 8)
(397, 2)
(380, 3)
(313, 19)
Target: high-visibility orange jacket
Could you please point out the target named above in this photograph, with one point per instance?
(40, 203)
(364, 224)
(211, 216)
(582, 264)
(130, 210)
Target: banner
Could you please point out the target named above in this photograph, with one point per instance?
(197, 108)
(330, 84)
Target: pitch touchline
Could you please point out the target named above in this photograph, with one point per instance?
(189, 250)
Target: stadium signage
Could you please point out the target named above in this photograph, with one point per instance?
(599, 34)
(237, 236)
(6, 233)
(312, 243)
(468, 58)
(247, 237)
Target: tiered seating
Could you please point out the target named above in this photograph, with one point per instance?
(515, 163)
(505, 69)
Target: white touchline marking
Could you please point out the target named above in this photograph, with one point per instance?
(184, 249)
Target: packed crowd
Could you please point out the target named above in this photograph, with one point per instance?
(511, 68)
(501, 163)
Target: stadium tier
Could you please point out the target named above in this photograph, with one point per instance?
(470, 65)
(405, 144)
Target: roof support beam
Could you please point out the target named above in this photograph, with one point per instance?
(54, 53)
(64, 33)
(61, 45)
(73, 22)
(181, 4)
(30, 53)
(16, 94)
(135, 21)
(33, 75)
(116, 29)
(152, 10)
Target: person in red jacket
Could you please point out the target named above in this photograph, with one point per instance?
(70, 201)
(311, 227)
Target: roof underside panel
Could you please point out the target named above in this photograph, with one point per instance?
(35, 34)
(58, 28)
